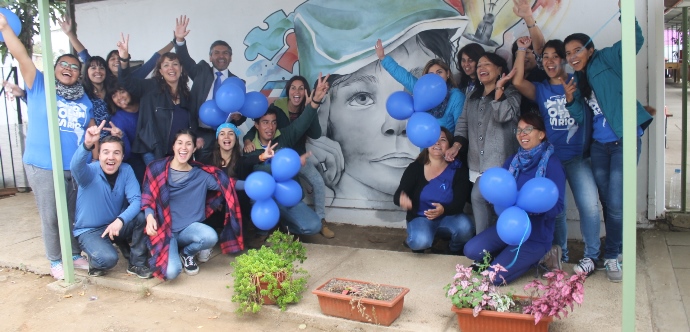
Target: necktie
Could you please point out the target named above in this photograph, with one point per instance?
(217, 83)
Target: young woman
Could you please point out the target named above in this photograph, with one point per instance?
(599, 87)
(287, 110)
(448, 112)
(178, 195)
(534, 159)
(486, 128)
(571, 145)
(433, 191)
(96, 82)
(74, 110)
(467, 64)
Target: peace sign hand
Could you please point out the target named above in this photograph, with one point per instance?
(114, 130)
(268, 153)
(123, 46)
(319, 93)
(570, 89)
(181, 28)
(92, 135)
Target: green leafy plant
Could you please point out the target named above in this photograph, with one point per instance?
(27, 11)
(275, 266)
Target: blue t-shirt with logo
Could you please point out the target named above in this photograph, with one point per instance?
(562, 130)
(73, 119)
(602, 131)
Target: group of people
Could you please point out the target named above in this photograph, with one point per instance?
(143, 172)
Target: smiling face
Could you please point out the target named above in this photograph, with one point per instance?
(114, 63)
(553, 63)
(528, 140)
(226, 139)
(438, 150)
(530, 60)
(121, 98)
(110, 157)
(183, 148)
(438, 70)
(487, 72)
(469, 66)
(220, 57)
(375, 146)
(577, 54)
(266, 127)
(297, 93)
(67, 70)
(96, 72)
(170, 70)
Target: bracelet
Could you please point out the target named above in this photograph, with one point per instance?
(129, 57)
(533, 25)
(524, 49)
(502, 88)
(317, 102)
(87, 149)
(123, 222)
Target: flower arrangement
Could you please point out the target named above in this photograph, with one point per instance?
(553, 297)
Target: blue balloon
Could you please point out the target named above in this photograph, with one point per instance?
(255, 105)
(498, 186)
(537, 195)
(285, 164)
(259, 185)
(211, 115)
(423, 130)
(12, 20)
(265, 214)
(288, 193)
(429, 91)
(499, 209)
(400, 105)
(514, 226)
(229, 98)
(237, 82)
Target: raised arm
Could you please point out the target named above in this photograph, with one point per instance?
(67, 28)
(523, 9)
(525, 87)
(181, 46)
(137, 87)
(18, 51)
(399, 73)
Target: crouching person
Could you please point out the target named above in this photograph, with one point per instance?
(105, 188)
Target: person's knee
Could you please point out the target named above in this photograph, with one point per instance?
(312, 227)
(104, 259)
(173, 271)
(209, 240)
(474, 249)
(419, 241)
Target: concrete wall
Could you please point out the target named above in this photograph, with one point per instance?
(338, 37)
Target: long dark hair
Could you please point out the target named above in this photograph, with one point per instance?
(107, 58)
(217, 159)
(498, 61)
(182, 83)
(111, 91)
(474, 51)
(424, 155)
(86, 80)
(306, 88)
(582, 81)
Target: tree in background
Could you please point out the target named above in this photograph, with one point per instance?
(27, 11)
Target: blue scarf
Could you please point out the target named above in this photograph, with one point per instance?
(525, 158)
(440, 110)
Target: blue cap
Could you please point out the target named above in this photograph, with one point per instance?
(228, 125)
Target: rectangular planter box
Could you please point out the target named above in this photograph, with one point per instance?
(499, 321)
(338, 305)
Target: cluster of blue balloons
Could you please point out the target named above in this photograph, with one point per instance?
(12, 20)
(537, 195)
(261, 186)
(232, 96)
(423, 129)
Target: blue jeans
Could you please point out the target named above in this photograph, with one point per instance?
(102, 253)
(607, 167)
(578, 172)
(530, 253)
(421, 231)
(196, 237)
(312, 175)
(300, 219)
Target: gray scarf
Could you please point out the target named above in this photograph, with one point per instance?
(69, 92)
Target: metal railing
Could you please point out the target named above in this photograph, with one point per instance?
(11, 134)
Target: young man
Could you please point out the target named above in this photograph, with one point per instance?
(108, 205)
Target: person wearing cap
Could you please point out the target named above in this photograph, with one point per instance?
(108, 205)
(206, 80)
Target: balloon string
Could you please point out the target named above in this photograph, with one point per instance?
(597, 32)
(518, 248)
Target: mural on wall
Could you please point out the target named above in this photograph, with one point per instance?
(363, 151)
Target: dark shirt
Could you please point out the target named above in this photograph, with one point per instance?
(180, 121)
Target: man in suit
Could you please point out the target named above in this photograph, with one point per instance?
(206, 80)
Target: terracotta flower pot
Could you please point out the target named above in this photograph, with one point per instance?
(264, 285)
(371, 311)
(499, 321)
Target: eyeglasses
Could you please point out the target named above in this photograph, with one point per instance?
(527, 130)
(65, 64)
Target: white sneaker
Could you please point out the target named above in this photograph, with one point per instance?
(204, 255)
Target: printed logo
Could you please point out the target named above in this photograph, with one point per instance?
(559, 117)
(72, 118)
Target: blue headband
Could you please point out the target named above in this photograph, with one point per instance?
(228, 125)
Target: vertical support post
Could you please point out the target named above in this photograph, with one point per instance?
(629, 161)
(54, 137)
(684, 140)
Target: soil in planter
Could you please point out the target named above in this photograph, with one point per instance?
(520, 305)
(368, 291)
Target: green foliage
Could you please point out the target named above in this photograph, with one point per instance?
(27, 11)
(274, 265)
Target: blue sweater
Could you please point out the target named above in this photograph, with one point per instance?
(543, 224)
(404, 77)
(97, 204)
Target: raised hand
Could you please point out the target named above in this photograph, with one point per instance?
(92, 135)
(379, 50)
(269, 152)
(522, 8)
(65, 24)
(181, 28)
(569, 88)
(317, 95)
(123, 46)
(114, 130)
(524, 42)
(506, 78)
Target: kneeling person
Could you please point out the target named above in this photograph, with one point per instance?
(108, 205)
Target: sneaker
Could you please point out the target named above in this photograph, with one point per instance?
(599, 265)
(620, 259)
(80, 262)
(56, 270)
(189, 264)
(204, 255)
(325, 231)
(552, 259)
(585, 266)
(96, 272)
(613, 270)
(142, 272)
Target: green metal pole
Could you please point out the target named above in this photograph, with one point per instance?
(629, 161)
(54, 136)
(684, 140)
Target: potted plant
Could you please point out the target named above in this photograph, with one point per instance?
(482, 306)
(361, 301)
(270, 275)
